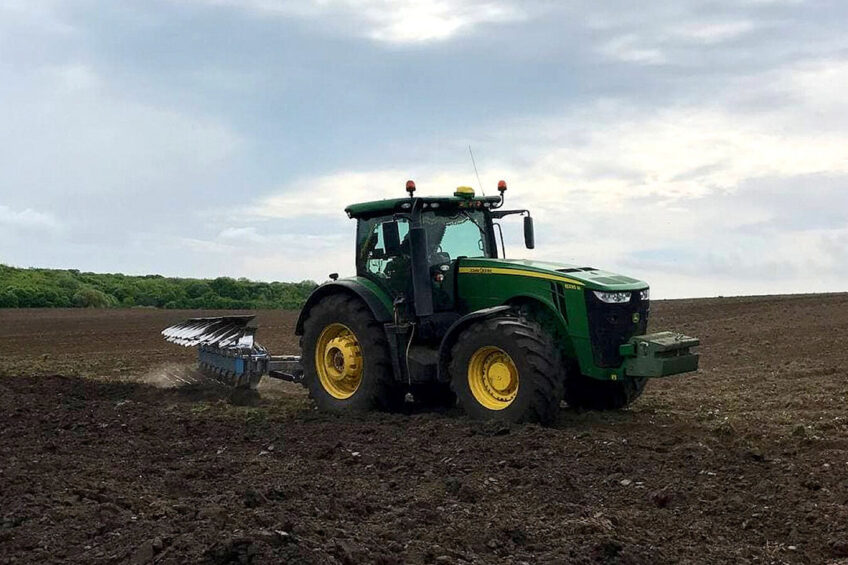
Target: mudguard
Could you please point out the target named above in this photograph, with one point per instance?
(454, 331)
(378, 307)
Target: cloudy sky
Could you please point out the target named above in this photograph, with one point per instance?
(702, 146)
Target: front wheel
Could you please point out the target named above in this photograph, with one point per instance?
(507, 369)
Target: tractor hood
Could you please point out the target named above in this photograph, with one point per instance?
(588, 277)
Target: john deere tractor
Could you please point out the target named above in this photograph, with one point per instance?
(437, 312)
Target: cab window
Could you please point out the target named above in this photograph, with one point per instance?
(383, 249)
(456, 234)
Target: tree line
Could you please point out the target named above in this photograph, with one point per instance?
(59, 288)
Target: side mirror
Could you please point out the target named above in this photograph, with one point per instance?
(529, 234)
(391, 239)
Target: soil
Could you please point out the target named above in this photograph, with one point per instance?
(112, 449)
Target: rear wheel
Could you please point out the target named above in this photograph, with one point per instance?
(507, 369)
(592, 394)
(346, 363)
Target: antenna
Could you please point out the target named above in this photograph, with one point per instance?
(475, 170)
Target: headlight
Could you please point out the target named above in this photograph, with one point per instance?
(613, 297)
(645, 294)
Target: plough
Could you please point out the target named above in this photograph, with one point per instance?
(228, 352)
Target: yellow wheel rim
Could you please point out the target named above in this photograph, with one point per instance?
(338, 361)
(493, 377)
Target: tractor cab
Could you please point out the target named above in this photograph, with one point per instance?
(412, 247)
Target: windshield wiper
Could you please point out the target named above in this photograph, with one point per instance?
(473, 221)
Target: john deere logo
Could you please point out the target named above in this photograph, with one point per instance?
(636, 318)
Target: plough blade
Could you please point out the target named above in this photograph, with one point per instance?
(224, 331)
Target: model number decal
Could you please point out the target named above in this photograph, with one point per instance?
(567, 283)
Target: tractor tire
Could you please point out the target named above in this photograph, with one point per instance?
(352, 371)
(433, 395)
(507, 369)
(586, 393)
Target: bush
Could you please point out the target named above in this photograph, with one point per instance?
(229, 288)
(8, 299)
(45, 288)
(93, 298)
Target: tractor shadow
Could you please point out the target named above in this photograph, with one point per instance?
(182, 383)
(570, 418)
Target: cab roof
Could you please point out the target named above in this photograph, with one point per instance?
(404, 205)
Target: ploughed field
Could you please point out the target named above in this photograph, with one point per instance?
(112, 449)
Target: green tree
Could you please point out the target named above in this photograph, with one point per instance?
(228, 288)
(93, 298)
(8, 299)
(44, 288)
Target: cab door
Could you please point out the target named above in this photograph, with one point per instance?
(452, 235)
(382, 254)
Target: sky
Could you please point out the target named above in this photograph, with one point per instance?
(701, 146)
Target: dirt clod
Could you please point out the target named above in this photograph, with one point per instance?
(238, 550)
(468, 493)
(144, 554)
(662, 498)
(839, 547)
(253, 498)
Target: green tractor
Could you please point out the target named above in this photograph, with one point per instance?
(435, 311)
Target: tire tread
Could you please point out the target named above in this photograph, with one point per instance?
(381, 391)
(540, 354)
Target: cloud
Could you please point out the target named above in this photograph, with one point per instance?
(76, 77)
(820, 85)
(678, 39)
(698, 144)
(631, 49)
(28, 220)
(430, 20)
(613, 154)
(113, 165)
(389, 21)
(244, 252)
(834, 245)
(711, 197)
(34, 14)
(242, 234)
(68, 131)
(715, 32)
(327, 195)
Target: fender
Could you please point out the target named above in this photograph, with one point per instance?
(454, 331)
(353, 287)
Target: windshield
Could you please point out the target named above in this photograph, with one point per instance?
(456, 234)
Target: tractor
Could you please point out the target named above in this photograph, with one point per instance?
(436, 312)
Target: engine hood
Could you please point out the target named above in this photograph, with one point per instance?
(588, 277)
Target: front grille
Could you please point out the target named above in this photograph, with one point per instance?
(611, 325)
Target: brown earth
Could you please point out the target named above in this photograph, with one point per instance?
(744, 462)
